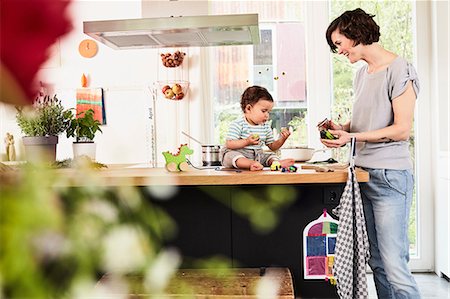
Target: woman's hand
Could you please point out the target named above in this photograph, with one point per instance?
(342, 138)
(334, 126)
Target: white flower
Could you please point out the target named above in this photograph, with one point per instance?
(49, 245)
(163, 268)
(162, 188)
(268, 287)
(103, 209)
(113, 288)
(124, 250)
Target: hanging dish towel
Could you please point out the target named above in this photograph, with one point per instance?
(352, 243)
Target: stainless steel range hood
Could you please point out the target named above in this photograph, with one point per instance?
(183, 31)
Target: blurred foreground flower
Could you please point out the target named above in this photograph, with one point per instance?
(268, 287)
(57, 240)
(27, 29)
(125, 250)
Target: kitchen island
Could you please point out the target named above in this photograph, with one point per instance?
(212, 210)
(144, 175)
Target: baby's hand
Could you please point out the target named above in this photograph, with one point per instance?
(255, 166)
(285, 133)
(253, 139)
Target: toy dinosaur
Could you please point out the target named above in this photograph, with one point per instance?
(177, 162)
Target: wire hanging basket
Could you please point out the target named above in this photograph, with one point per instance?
(175, 90)
(174, 59)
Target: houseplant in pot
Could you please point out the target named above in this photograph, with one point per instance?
(83, 127)
(41, 123)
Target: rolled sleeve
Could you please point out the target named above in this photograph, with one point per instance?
(400, 78)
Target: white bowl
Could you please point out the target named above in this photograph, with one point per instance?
(299, 154)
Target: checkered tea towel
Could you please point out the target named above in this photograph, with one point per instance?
(352, 244)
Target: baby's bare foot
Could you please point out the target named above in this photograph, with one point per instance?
(256, 166)
(287, 162)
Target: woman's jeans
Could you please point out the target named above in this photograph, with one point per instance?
(387, 200)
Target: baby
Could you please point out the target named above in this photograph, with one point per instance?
(247, 134)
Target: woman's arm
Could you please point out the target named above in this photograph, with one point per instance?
(403, 107)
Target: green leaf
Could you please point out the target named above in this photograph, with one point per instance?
(84, 126)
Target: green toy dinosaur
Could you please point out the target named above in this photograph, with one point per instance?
(178, 162)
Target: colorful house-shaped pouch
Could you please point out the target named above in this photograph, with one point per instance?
(319, 240)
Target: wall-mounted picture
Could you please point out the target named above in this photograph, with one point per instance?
(92, 98)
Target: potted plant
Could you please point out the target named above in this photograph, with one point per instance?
(41, 123)
(83, 127)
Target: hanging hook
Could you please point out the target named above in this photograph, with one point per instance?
(352, 151)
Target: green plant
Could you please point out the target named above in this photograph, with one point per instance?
(46, 117)
(84, 126)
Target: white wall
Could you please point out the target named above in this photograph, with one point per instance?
(127, 77)
(441, 126)
(123, 74)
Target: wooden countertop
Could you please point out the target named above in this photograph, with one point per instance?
(142, 175)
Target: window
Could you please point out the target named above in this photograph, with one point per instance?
(278, 64)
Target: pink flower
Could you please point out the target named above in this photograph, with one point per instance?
(27, 29)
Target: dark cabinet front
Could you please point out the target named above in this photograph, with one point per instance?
(209, 224)
(203, 224)
(283, 246)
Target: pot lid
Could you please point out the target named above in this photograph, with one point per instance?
(183, 31)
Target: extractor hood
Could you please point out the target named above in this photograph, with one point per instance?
(183, 31)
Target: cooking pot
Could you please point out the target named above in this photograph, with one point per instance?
(211, 155)
(210, 152)
(299, 154)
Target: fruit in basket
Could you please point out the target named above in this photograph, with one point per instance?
(172, 60)
(179, 95)
(169, 94)
(176, 88)
(166, 87)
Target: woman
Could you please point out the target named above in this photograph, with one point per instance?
(385, 90)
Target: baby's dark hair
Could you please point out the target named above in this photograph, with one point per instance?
(253, 94)
(356, 25)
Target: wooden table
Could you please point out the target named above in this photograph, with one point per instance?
(210, 283)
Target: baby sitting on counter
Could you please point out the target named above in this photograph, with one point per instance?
(248, 133)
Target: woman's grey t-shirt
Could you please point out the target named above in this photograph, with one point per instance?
(372, 110)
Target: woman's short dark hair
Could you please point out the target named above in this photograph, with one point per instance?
(356, 25)
(253, 94)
